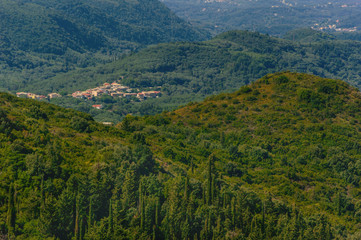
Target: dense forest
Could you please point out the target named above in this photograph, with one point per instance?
(190, 71)
(39, 38)
(278, 159)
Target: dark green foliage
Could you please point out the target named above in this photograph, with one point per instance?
(281, 79)
(232, 170)
(79, 124)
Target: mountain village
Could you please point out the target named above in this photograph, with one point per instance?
(114, 89)
(36, 96)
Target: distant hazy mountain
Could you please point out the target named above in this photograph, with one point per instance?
(274, 17)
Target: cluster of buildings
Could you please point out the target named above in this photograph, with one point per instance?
(115, 90)
(36, 96)
(335, 28)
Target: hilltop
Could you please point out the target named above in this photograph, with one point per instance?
(275, 159)
(290, 136)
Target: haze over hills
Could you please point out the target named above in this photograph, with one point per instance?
(190, 71)
(41, 38)
(275, 159)
(275, 17)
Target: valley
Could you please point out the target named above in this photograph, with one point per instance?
(192, 71)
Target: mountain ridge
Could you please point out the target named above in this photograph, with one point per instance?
(191, 71)
(40, 39)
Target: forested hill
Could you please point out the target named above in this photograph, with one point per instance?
(227, 61)
(53, 26)
(276, 159)
(190, 71)
(39, 38)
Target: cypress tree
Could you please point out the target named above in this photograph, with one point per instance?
(81, 224)
(209, 227)
(222, 139)
(154, 233)
(141, 206)
(204, 200)
(110, 220)
(11, 214)
(213, 189)
(76, 227)
(263, 218)
(339, 204)
(209, 184)
(224, 200)
(209, 189)
(186, 190)
(157, 208)
(233, 209)
(90, 214)
(125, 125)
(192, 165)
(42, 197)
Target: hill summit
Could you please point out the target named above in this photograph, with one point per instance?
(278, 159)
(293, 136)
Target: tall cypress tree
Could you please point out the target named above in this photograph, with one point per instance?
(110, 220)
(213, 189)
(76, 227)
(233, 209)
(192, 164)
(157, 208)
(141, 206)
(11, 214)
(42, 197)
(186, 190)
(263, 218)
(209, 183)
(339, 204)
(90, 214)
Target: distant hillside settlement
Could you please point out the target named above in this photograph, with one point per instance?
(36, 96)
(116, 90)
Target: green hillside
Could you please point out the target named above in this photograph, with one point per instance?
(41, 38)
(278, 159)
(191, 71)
